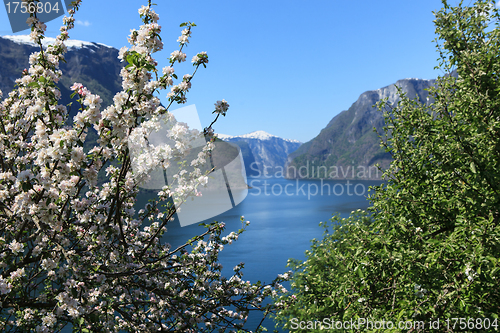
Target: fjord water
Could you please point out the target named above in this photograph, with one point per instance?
(284, 216)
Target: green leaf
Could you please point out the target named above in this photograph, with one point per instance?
(473, 167)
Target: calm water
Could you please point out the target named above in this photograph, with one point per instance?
(284, 217)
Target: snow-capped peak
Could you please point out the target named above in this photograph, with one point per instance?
(224, 136)
(260, 135)
(70, 43)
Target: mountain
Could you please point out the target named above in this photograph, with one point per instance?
(263, 153)
(347, 148)
(94, 65)
(98, 68)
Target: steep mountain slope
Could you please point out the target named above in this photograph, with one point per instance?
(347, 147)
(263, 152)
(94, 65)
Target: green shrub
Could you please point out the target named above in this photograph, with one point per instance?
(429, 247)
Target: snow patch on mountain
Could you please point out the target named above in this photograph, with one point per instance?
(70, 44)
(259, 135)
(263, 152)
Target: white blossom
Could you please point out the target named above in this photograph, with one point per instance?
(16, 247)
(73, 210)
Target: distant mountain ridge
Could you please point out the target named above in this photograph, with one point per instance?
(263, 153)
(343, 149)
(70, 43)
(260, 135)
(98, 68)
(347, 147)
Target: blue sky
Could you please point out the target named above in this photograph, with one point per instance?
(285, 67)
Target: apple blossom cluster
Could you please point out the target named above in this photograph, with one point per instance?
(221, 107)
(200, 59)
(184, 37)
(73, 250)
(177, 144)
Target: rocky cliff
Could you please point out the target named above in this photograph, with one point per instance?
(348, 147)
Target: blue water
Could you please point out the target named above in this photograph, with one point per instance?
(284, 217)
(282, 224)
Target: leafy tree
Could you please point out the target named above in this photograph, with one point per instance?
(428, 247)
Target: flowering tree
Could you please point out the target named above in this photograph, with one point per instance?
(74, 253)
